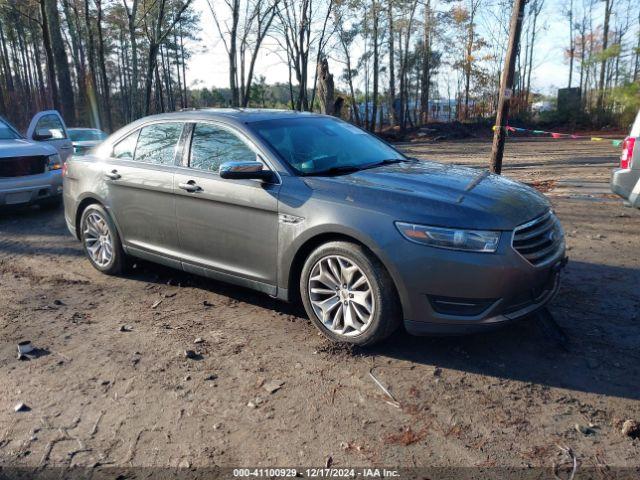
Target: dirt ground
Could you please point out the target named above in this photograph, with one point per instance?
(101, 396)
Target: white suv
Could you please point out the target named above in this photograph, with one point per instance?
(626, 179)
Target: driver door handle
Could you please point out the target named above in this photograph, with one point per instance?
(190, 186)
(113, 175)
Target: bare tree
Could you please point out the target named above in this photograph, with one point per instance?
(295, 19)
(392, 76)
(426, 59)
(346, 37)
(256, 27)
(132, 15)
(157, 31)
(572, 43)
(608, 6)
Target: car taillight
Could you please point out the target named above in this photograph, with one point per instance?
(64, 169)
(627, 152)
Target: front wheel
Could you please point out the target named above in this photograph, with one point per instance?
(101, 241)
(348, 294)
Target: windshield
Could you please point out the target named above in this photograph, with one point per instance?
(7, 132)
(86, 135)
(314, 145)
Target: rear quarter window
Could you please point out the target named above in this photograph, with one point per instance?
(126, 147)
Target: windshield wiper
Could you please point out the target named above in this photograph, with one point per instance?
(344, 169)
(382, 163)
(338, 170)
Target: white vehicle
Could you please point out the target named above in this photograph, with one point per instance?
(31, 166)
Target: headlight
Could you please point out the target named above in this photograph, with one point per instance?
(54, 162)
(451, 238)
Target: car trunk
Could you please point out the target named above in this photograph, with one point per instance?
(22, 166)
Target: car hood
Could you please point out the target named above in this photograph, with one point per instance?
(436, 194)
(24, 148)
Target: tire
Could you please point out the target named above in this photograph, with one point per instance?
(51, 203)
(369, 310)
(96, 225)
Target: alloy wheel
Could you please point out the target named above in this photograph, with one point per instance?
(341, 295)
(97, 239)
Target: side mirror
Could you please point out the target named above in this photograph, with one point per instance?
(42, 134)
(245, 170)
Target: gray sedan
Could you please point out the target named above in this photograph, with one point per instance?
(303, 206)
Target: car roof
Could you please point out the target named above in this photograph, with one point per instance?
(239, 115)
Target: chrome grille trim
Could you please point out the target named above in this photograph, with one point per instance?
(540, 241)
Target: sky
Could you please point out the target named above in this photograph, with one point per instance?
(209, 67)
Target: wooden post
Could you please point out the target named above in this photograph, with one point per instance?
(506, 86)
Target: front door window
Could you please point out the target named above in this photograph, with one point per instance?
(212, 146)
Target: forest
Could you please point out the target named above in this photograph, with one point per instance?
(105, 63)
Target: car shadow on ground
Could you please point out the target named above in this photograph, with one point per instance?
(600, 321)
(597, 308)
(55, 238)
(601, 356)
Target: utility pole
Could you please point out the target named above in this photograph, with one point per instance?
(506, 86)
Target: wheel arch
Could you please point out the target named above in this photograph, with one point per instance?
(310, 244)
(82, 206)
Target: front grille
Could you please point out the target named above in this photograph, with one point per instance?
(540, 240)
(22, 166)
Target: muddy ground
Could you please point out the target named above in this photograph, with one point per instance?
(99, 395)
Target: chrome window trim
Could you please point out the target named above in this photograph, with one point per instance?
(245, 139)
(138, 129)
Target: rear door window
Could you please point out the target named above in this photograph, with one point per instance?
(211, 146)
(158, 143)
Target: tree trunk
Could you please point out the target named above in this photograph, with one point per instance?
(134, 92)
(392, 78)
(572, 44)
(325, 88)
(61, 62)
(103, 68)
(426, 59)
(233, 61)
(51, 69)
(467, 62)
(376, 67)
(603, 63)
(151, 68)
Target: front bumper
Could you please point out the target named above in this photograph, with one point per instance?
(489, 322)
(30, 189)
(453, 292)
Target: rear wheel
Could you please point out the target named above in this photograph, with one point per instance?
(101, 241)
(348, 294)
